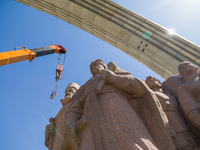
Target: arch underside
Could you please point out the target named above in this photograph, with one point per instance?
(140, 38)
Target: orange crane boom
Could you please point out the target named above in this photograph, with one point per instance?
(29, 54)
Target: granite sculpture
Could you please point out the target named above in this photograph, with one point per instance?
(182, 136)
(186, 87)
(189, 94)
(114, 110)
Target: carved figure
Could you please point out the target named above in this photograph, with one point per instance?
(181, 135)
(69, 92)
(188, 94)
(110, 119)
(55, 131)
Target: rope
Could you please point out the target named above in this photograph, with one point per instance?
(64, 58)
(57, 86)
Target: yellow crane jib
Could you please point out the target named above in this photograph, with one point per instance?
(29, 54)
(16, 56)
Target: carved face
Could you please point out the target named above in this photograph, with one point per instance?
(69, 92)
(186, 68)
(153, 83)
(96, 69)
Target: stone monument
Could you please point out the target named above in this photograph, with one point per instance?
(114, 110)
(182, 136)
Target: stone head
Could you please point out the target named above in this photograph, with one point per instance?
(69, 92)
(97, 66)
(153, 83)
(71, 89)
(186, 68)
(112, 66)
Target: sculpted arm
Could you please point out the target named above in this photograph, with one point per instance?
(189, 105)
(129, 85)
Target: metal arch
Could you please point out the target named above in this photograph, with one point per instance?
(145, 41)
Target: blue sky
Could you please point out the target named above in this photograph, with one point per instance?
(25, 87)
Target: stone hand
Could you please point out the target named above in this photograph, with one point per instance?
(50, 129)
(107, 75)
(49, 132)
